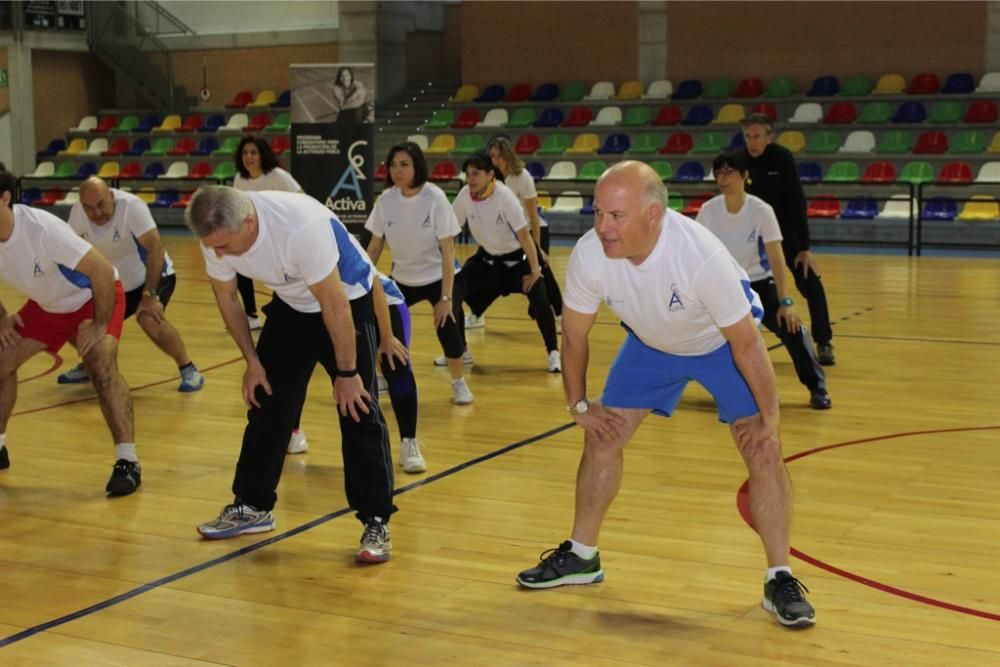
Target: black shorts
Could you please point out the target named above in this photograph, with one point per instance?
(165, 288)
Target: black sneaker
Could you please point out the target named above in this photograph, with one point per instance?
(4, 459)
(819, 399)
(783, 597)
(125, 478)
(824, 354)
(560, 566)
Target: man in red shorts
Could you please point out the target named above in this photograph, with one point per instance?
(74, 296)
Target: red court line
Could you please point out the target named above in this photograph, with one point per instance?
(743, 506)
(57, 361)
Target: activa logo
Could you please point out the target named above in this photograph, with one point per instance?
(346, 204)
(350, 183)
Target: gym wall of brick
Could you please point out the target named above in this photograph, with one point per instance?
(67, 86)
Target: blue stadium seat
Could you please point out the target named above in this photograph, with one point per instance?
(940, 208)
(546, 92)
(824, 86)
(206, 146)
(213, 123)
(148, 123)
(737, 141)
(284, 99)
(551, 117)
(86, 170)
(54, 147)
(810, 172)
(536, 169)
(960, 83)
(588, 207)
(688, 89)
(165, 199)
(154, 170)
(860, 208)
(615, 144)
(30, 196)
(139, 146)
(493, 94)
(700, 114)
(690, 171)
(910, 112)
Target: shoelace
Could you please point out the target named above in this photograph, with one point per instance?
(412, 448)
(555, 554)
(239, 509)
(791, 589)
(374, 532)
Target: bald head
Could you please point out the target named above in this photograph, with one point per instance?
(97, 200)
(641, 179)
(629, 202)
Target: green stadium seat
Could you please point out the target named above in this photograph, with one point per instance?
(719, 89)
(968, 141)
(645, 143)
(897, 141)
(945, 112)
(228, 147)
(224, 171)
(917, 172)
(127, 124)
(469, 143)
(676, 202)
(281, 122)
(710, 142)
(857, 86)
(65, 170)
(875, 112)
(554, 144)
(780, 87)
(523, 117)
(844, 172)
(441, 119)
(637, 117)
(823, 142)
(160, 148)
(573, 92)
(591, 171)
(663, 170)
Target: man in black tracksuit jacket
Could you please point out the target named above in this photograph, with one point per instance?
(774, 178)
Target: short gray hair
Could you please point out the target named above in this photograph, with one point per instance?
(215, 207)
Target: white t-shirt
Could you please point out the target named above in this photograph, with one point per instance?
(118, 238)
(413, 227)
(677, 299)
(495, 221)
(299, 243)
(276, 179)
(744, 233)
(393, 296)
(39, 259)
(523, 185)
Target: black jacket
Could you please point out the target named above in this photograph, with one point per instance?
(774, 178)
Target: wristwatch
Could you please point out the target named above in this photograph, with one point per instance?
(787, 301)
(445, 298)
(151, 292)
(578, 408)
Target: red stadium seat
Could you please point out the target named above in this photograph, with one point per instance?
(466, 119)
(749, 88)
(242, 98)
(258, 123)
(520, 92)
(280, 144)
(824, 206)
(696, 202)
(984, 111)
(117, 147)
(527, 144)
(879, 172)
(767, 109)
(200, 170)
(49, 198)
(678, 142)
(106, 124)
(183, 146)
(191, 124)
(923, 84)
(381, 172)
(932, 142)
(444, 171)
(668, 115)
(840, 112)
(956, 172)
(578, 117)
(183, 201)
(131, 170)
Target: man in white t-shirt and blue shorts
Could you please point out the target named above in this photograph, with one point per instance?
(690, 315)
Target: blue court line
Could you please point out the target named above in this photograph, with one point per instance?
(195, 569)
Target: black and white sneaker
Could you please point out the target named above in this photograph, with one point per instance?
(4, 459)
(559, 567)
(125, 478)
(784, 598)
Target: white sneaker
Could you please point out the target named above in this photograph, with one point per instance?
(254, 323)
(555, 362)
(297, 443)
(461, 393)
(383, 385)
(443, 360)
(473, 322)
(410, 457)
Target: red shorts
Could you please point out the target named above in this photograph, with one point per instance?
(56, 329)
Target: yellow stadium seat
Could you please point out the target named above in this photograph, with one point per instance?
(630, 90)
(994, 146)
(147, 195)
(730, 114)
(890, 84)
(75, 147)
(170, 123)
(584, 144)
(467, 93)
(982, 207)
(443, 143)
(544, 200)
(793, 140)
(109, 170)
(265, 98)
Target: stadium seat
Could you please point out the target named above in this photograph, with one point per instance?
(183, 201)
(807, 112)
(544, 199)
(69, 199)
(492, 94)
(824, 206)
(468, 118)
(749, 88)
(931, 142)
(183, 146)
(240, 100)
(607, 116)
(75, 147)
(284, 100)
(573, 92)
(567, 202)
(465, 94)
(96, 147)
(154, 170)
(578, 117)
(206, 146)
(628, 91)
(615, 144)
(859, 141)
(546, 92)
(637, 116)
(106, 124)
(983, 111)
(719, 89)
(690, 172)
(810, 172)
(994, 146)
(212, 123)
(939, 208)
(660, 89)
(86, 124)
(700, 114)
(441, 119)
(519, 92)
(859, 85)
(591, 171)
(767, 109)
(898, 206)
(910, 112)
(645, 143)
(945, 112)
(793, 140)
(860, 208)
(65, 170)
(54, 147)
(897, 141)
(678, 143)
(969, 142)
(160, 148)
(689, 89)
(44, 170)
(536, 169)
(551, 117)
(192, 123)
(824, 86)
(982, 207)
(584, 144)
(224, 171)
(738, 141)
(494, 118)
(875, 113)
(823, 142)
(960, 83)
(381, 172)
(730, 114)
(676, 202)
(169, 124)
(523, 117)
(709, 142)
(956, 172)
(444, 171)
(49, 198)
(165, 199)
(420, 140)
(695, 203)
(562, 171)
(890, 84)
(258, 122)
(879, 172)
(282, 121)
(236, 123)
(527, 144)
(116, 147)
(668, 115)
(989, 173)
(917, 173)
(840, 113)
(176, 170)
(662, 169)
(227, 148)
(147, 195)
(554, 144)
(265, 98)
(131, 170)
(924, 83)
(147, 123)
(780, 87)
(280, 144)
(842, 172)
(468, 144)
(602, 90)
(200, 170)
(126, 124)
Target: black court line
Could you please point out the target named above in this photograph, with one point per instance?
(907, 339)
(195, 569)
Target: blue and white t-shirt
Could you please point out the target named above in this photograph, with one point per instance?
(745, 233)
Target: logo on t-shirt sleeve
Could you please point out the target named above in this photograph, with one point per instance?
(675, 299)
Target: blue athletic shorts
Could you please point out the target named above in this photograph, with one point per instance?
(643, 377)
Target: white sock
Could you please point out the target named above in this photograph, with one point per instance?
(582, 550)
(459, 381)
(126, 450)
(773, 571)
(3, 440)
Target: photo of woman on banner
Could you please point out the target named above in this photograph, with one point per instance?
(349, 98)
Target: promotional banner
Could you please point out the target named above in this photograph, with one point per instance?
(333, 137)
